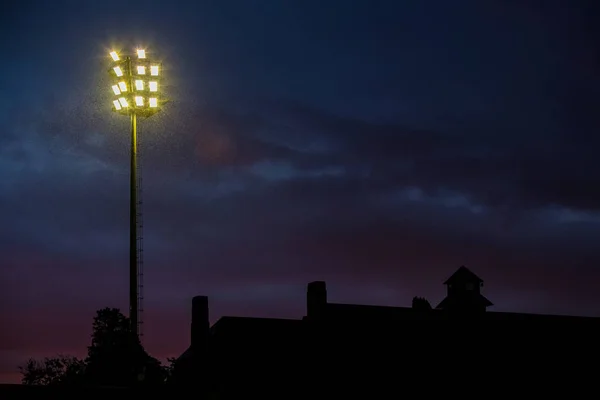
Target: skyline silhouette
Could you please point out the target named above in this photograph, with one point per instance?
(333, 347)
(375, 145)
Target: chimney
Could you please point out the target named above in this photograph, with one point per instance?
(316, 300)
(200, 323)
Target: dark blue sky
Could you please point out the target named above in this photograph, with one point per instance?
(377, 145)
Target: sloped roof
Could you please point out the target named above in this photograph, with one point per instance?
(463, 274)
(363, 313)
(450, 301)
(257, 329)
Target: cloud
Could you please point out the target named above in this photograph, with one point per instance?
(491, 166)
(281, 164)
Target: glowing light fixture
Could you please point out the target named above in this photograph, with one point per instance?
(136, 83)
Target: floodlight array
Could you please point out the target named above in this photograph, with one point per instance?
(136, 83)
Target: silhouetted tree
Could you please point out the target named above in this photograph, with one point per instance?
(421, 303)
(60, 370)
(115, 358)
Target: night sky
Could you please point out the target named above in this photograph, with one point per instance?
(377, 145)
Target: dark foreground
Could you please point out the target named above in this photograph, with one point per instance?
(426, 386)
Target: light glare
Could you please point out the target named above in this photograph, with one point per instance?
(138, 79)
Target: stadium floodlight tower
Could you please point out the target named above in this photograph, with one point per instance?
(136, 84)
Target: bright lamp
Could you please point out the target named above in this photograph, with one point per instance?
(136, 83)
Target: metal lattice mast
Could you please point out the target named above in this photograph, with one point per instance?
(133, 231)
(140, 244)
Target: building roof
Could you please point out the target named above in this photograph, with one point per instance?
(258, 325)
(242, 330)
(567, 320)
(479, 298)
(463, 274)
(359, 312)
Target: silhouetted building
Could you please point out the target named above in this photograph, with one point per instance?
(464, 294)
(192, 365)
(345, 346)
